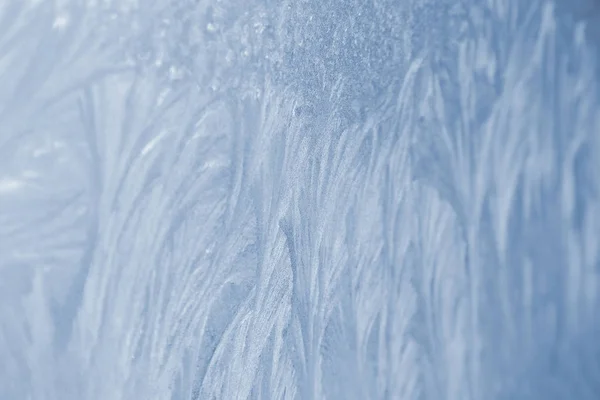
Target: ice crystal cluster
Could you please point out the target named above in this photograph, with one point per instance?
(299, 199)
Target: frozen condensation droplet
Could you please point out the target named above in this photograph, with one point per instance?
(61, 22)
(211, 27)
(8, 185)
(175, 73)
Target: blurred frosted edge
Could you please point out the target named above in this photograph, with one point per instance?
(308, 199)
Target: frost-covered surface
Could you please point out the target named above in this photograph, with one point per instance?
(309, 199)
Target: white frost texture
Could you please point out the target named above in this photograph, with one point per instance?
(299, 199)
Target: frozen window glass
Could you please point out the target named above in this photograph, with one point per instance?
(299, 199)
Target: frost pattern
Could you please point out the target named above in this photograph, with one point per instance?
(311, 199)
